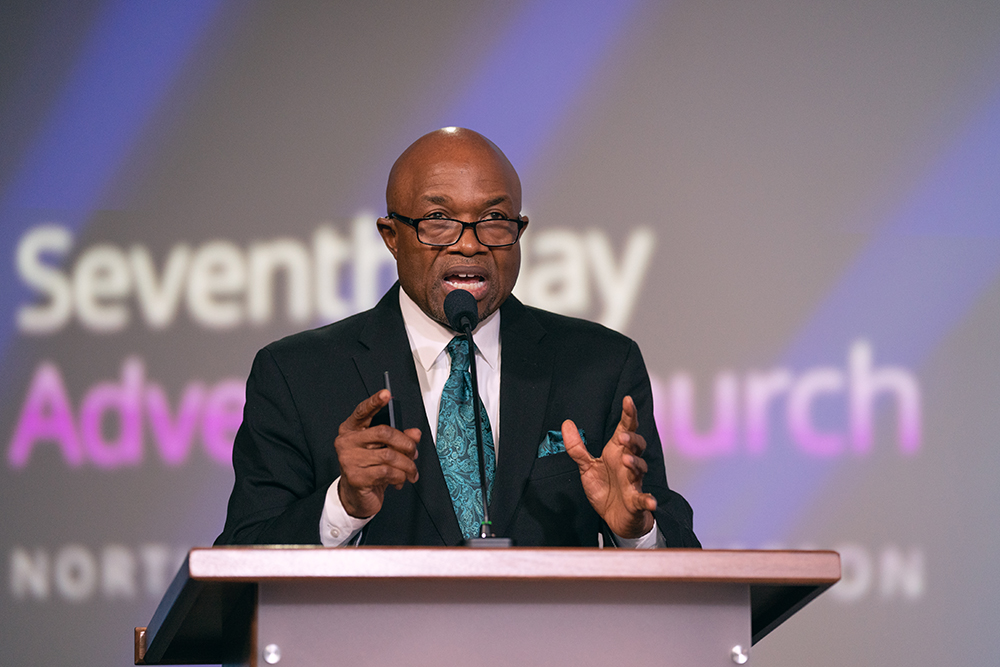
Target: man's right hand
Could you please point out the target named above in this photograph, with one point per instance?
(373, 457)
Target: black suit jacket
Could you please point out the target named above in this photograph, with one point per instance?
(302, 387)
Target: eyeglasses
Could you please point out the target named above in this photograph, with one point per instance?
(491, 232)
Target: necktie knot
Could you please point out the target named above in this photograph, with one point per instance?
(458, 350)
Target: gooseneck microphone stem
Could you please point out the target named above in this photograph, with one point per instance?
(485, 528)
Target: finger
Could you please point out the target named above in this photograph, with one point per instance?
(574, 444)
(362, 415)
(637, 465)
(400, 461)
(645, 501)
(632, 442)
(393, 471)
(629, 421)
(414, 435)
(369, 467)
(630, 472)
(375, 478)
(384, 436)
(379, 476)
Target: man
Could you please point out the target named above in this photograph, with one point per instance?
(570, 443)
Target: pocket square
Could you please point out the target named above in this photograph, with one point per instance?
(553, 443)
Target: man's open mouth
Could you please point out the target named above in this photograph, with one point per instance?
(467, 281)
(471, 281)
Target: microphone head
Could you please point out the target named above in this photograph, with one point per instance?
(461, 309)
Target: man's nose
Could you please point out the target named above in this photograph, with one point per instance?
(468, 244)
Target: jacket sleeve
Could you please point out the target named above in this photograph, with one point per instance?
(275, 499)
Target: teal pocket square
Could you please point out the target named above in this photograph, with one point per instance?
(553, 443)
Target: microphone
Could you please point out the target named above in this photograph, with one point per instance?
(462, 311)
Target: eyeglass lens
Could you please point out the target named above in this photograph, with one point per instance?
(442, 231)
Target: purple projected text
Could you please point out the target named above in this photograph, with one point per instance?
(817, 403)
(132, 402)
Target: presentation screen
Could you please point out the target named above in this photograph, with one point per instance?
(792, 207)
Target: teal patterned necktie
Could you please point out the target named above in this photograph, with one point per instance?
(456, 442)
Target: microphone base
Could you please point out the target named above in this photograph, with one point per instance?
(488, 542)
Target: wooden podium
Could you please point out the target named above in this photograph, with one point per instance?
(292, 606)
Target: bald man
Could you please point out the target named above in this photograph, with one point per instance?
(567, 403)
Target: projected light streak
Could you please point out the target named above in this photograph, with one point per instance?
(125, 69)
(538, 67)
(918, 278)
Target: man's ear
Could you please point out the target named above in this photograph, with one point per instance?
(387, 229)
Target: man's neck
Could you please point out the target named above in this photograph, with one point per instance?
(428, 337)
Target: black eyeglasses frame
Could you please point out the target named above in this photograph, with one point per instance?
(414, 222)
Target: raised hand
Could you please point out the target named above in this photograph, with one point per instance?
(373, 457)
(613, 482)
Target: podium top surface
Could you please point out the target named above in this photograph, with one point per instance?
(772, 567)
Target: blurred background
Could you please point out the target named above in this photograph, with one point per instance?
(791, 206)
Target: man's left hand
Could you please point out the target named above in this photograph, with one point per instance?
(613, 482)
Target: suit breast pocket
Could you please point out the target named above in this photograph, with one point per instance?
(553, 466)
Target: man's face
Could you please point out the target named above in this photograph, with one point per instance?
(465, 183)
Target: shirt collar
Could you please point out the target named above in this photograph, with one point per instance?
(429, 338)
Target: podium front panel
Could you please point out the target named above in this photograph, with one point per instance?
(501, 623)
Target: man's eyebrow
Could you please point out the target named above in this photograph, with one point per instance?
(440, 200)
(443, 200)
(497, 200)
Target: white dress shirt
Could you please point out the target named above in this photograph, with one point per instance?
(428, 342)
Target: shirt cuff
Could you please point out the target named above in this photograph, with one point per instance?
(336, 526)
(652, 540)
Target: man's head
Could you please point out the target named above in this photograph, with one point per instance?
(459, 174)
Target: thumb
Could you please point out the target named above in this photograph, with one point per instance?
(574, 444)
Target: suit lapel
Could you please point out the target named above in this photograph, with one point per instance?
(388, 349)
(526, 374)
